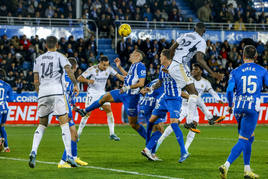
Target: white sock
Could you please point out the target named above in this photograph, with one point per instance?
(247, 168)
(189, 140)
(82, 125)
(204, 108)
(62, 162)
(110, 121)
(192, 102)
(227, 164)
(66, 137)
(38, 134)
(166, 133)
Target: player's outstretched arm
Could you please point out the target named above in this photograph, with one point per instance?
(84, 80)
(118, 65)
(215, 95)
(173, 49)
(70, 73)
(36, 81)
(120, 77)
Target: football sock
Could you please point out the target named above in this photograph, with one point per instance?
(189, 139)
(74, 149)
(247, 168)
(166, 133)
(93, 106)
(38, 134)
(237, 149)
(247, 151)
(192, 102)
(110, 121)
(227, 164)
(64, 156)
(149, 131)
(154, 149)
(66, 137)
(82, 124)
(179, 137)
(142, 131)
(153, 140)
(204, 108)
(4, 135)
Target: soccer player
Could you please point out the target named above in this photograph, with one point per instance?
(182, 51)
(247, 82)
(68, 84)
(98, 75)
(128, 94)
(170, 102)
(48, 73)
(6, 95)
(201, 85)
(147, 104)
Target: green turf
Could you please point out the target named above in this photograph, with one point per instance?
(209, 150)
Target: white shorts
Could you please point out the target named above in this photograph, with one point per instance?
(92, 97)
(52, 104)
(184, 113)
(180, 73)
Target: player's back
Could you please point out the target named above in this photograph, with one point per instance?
(6, 95)
(249, 79)
(50, 67)
(189, 44)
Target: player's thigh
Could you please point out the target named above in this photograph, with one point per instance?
(63, 119)
(174, 107)
(61, 107)
(190, 88)
(43, 120)
(107, 108)
(132, 105)
(248, 124)
(159, 110)
(45, 106)
(73, 131)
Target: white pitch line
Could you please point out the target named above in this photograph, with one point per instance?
(97, 168)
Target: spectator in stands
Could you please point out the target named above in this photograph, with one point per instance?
(204, 13)
(239, 25)
(25, 42)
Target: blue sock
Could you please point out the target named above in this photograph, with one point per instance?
(237, 149)
(149, 131)
(153, 150)
(152, 142)
(93, 106)
(74, 148)
(4, 135)
(247, 151)
(179, 137)
(142, 131)
(64, 156)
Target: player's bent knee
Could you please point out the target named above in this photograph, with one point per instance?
(174, 120)
(241, 137)
(107, 108)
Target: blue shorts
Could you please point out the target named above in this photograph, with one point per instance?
(130, 101)
(3, 118)
(247, 121)
(171, 105)
(147, 113)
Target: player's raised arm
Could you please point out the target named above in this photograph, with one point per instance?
(230, 91)
(213, 93)
(172, 49)
(36, 81)
(82, 79)
(118, 65)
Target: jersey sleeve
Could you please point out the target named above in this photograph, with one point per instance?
(112, 71)
(202, 46)
(87, 73)
(141, 71)
(179, 39)
(208, 86)
(64, 61)
(10, 94)
(35, 69)
(230, 89)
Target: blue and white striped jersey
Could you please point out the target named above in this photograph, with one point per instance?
(69, 86)
(135, 72)
(6, 95)
(247, 82)
(170, 86)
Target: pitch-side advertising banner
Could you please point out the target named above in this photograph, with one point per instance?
(24, 110)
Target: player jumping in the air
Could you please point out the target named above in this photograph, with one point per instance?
(6, 95)
(201, 85)
(182, 51)
(170, 102)
(48, 73)
(68, 84)
(98, 75)
(128, 94)
(247, 82)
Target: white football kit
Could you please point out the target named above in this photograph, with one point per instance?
(97, 89)
(203, 85)
(189, 45)
(50, 67)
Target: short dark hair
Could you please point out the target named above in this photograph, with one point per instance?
(72, 61)
(141, 52)
(200, 26)
(250, 52)
(51, 42)
(104, 59)
(198, 66)
(166, 53)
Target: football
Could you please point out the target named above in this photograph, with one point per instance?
(124, 30)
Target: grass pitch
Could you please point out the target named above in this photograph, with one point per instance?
(110, 159)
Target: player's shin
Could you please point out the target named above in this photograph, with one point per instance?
(166, 133)
(189, 139)
(74, 148)
(141, 130)
(237, 149)
(192, 102)
(110, 121)
(247, 154)
(82, 124)
(4, 135)
(149, 131)
(179, 136)
(153, 140)
(66, 137)
(93, 106)
(38, 134)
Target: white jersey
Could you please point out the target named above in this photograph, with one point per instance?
(50, 67)
(189, 45)
(100, 78)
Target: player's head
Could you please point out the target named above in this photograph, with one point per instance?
(136, 56)
(200, 28)
(197, 70)
(73, 62)
(2, 74)
(249, 53)
(104, 63)
(165, 58)
(51, 43)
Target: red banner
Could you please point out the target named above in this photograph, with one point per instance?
(26, 113)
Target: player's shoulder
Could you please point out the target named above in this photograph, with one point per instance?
(140, 64)
(94, 67)
(260, 68)
(204, 80)
(4, 84)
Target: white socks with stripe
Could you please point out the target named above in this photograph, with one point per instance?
(82, 124)
(66, 137)
(189, 139)
(166, 133)
(192, 102)
(110, 121)
(38, 134)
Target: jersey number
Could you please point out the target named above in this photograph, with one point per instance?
(184, 43)
(248, 84)
(2, 92)
(47, 70)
